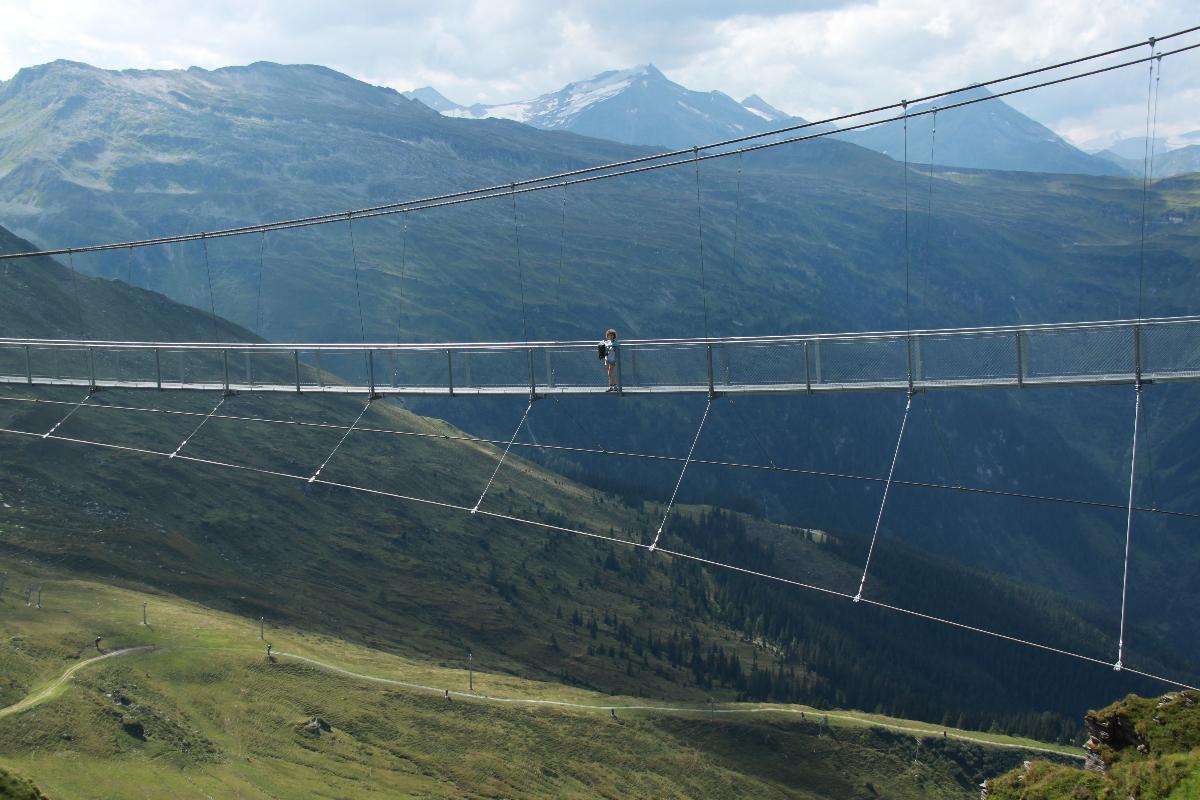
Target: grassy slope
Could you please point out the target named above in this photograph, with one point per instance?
(217, 719)
(1152, 753)
(14, 787)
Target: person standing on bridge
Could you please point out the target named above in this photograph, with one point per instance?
(608, 352)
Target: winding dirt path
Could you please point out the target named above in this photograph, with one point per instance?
(669, 709)
(46, 692)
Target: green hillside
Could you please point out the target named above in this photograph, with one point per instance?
(206, 712)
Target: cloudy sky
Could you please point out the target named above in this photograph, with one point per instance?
(809, 57)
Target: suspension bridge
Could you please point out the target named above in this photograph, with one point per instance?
(1134, 352)
(1074, 354)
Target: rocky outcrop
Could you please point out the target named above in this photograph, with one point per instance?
(1131, 729)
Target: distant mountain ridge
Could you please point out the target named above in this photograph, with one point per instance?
(988, 135)
(1131, 155)
(632, 106)
(642, 106)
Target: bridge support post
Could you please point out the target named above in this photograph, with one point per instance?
(708, 353)
(908, 343)
(28, 366)
(532, 377)
(1137, 354)
(1020, 360)
(91, 369)
(157, 369)
(620, 377)
(296, 364)
(450, 372)
(371, 374)
(807, 370)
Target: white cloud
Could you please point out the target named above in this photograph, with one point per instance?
(815, 58)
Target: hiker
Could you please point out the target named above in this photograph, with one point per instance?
(608, 354)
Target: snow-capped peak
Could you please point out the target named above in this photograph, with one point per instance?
(761, 108)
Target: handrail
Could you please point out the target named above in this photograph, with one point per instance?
(281, 347)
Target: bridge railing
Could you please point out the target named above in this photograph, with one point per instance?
(1035, 355)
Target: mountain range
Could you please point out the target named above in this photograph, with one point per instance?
(985, 135)
(633, 106)
(642, 106)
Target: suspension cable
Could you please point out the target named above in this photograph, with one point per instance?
(520, 268)
(503, 456)
(682, 472)
(562, 249)
(403, 272)
(262, 244)
(69, 414)
(212, 298)
(907, 252)
(341, 441)
(737, 213)
(600, 450)
(700, 239)
(1137, 409)
(746, 427)
(551, 181)
(196, 430)
(1145, 185)
(929, 214)
(78, 303)
(362, 328)
(611, 539)
(882, 503)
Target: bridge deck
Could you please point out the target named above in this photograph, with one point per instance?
(1071, 354)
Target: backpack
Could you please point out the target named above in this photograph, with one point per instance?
(603, 350)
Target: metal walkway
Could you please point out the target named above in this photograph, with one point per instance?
(1072, 354)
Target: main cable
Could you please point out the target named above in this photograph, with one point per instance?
(490, 192)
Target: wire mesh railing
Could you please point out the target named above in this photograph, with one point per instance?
(1073, 354)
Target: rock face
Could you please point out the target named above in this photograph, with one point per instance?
(1140, 728)
(1114, 731)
